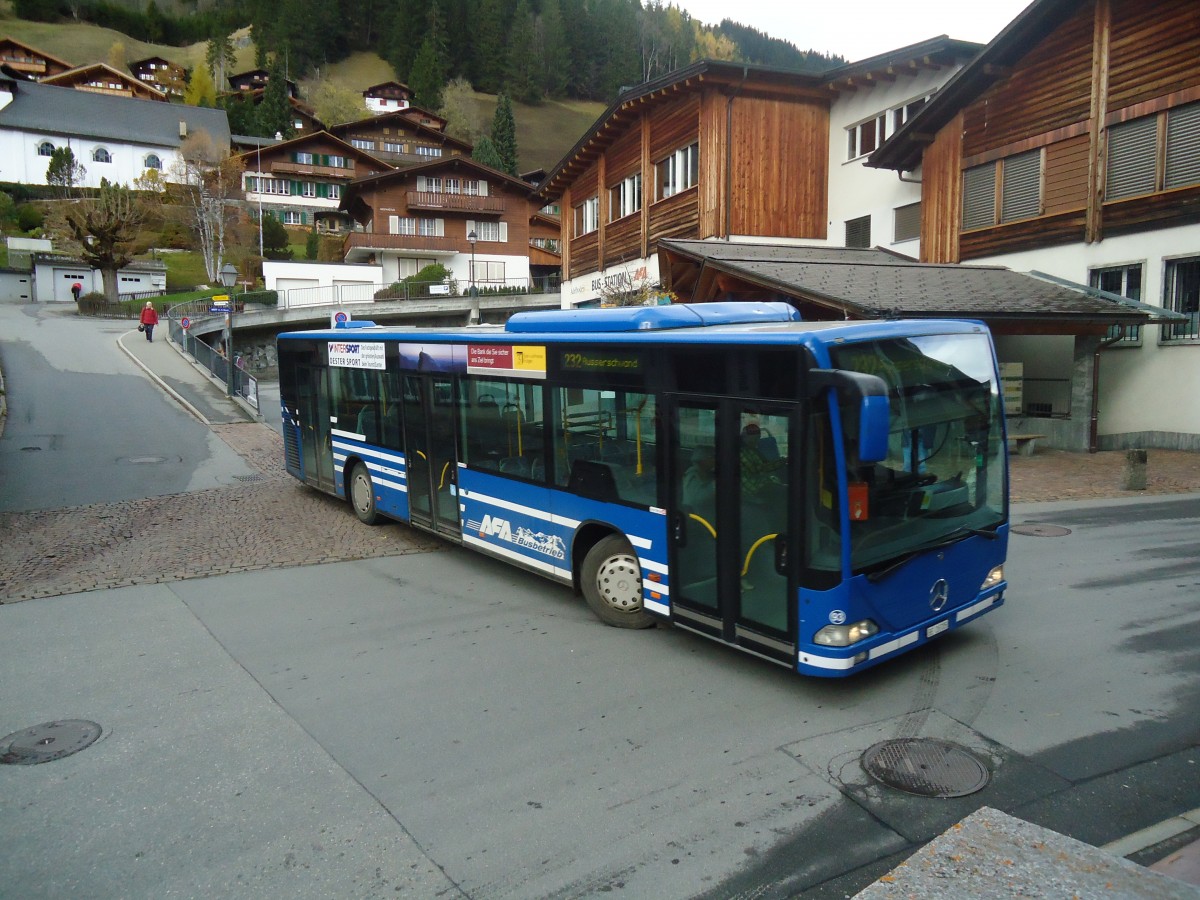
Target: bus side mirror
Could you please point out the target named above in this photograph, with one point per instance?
(870, 394)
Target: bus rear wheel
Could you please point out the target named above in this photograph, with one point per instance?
(612, 584)
(362, 495)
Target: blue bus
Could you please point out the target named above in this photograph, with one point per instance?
(826, 495)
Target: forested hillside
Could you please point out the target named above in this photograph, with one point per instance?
(548, 56)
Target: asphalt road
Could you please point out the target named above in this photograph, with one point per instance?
(437, 724)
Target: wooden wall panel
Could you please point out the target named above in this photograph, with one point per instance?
(780, 174)
(677, 216)
(677, 126)
(712, 165)
(1154, 50)
(1066, 185)
(585, 255)
(1179, 207)
(1049, 88)
(623, 241)
(624, 157)
(941, 195)
(585, 186)
(1046, 231)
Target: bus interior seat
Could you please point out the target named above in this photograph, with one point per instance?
(593, 479)
(514, 465)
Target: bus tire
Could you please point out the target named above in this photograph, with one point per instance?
(362, 495)
(611, 579)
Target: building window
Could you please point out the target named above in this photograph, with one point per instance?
(864, 137)
(679, 171)
(1182, 295)
(979, 197)
(361, 144)
(586, 216)
(45, 148)
(908, 222)
(101, 155)
(153, 162)
(858, 232)
(335, 192)
(390, 147)
(308, 189)
(487, 270)
(1183, 147)
(305, 159)
(428, 151)
(414, 226)
(1021, 186)
(292, 217)
(489, 231)
(625, 197)
(1132, 151)
(1124, 281)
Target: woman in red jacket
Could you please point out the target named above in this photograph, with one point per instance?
(149, 320)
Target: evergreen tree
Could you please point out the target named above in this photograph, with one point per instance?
(504, 135)
(487, 72)
(554, 52)
(221, 60)
(65, 171)
(408, 25)
(275, 112)
(485, 152)
(242, 115)
(427, 78)
(523, 79)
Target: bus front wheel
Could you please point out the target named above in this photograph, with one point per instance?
(362, 495)
(612, 584)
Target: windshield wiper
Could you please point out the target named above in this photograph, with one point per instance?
(944, 541)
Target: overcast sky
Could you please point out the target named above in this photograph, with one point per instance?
(857, 29)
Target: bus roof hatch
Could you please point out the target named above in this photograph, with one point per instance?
(651, 318)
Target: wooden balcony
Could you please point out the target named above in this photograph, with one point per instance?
(287, 167)
(456, 202)
(365, 240)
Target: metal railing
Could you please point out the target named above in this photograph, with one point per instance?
(244, 384)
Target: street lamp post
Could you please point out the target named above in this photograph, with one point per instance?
(472, 237)
(228, 276)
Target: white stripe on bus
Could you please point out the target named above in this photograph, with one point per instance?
(656, 586)
(368, 451)
(348, 434)
(892, 646)
(655, 606)
(826, 662)
(652, 565)
(519, 508)
(512, 554)
(974, 610)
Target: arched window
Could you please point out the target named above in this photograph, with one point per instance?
(101, 155)
(45, 148)
(153, 162)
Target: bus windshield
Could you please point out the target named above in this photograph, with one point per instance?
(944, 475)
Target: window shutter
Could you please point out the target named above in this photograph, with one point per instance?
(322, 189)
(295, 157)
(858, 232)
(303, 218)
(1021, 190)
(908, 222)
(393, 224)
(421, 183)
(324, 159)
(503, 232)
(482, 188)
(295, 189)
(439, 227)
(979, 197)
(1183, 146)
(471, 227)
(1131, 158)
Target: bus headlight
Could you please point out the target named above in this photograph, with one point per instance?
(994, 577)
(845, 635)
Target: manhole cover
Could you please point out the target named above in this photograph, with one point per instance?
(145, 460)
(30, 449)
(926, 767)
(1036, 530)
(47, 742)
(249, 478)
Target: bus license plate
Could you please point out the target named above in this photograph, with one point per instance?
(937, 629)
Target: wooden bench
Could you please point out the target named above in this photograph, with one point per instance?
(1024, 442)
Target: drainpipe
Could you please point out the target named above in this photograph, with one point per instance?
(1094, 423)
(729, 146)
(900, 175)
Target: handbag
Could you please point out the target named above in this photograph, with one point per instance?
(141, 328)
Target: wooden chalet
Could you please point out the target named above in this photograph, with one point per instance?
(301, 181)
(30, 61)
(387, 96)
(304, 117)
(424, 117)
(162, 74)
(399, 139)
(256, 79)
(417, 215)
(101, 78)
(1071, 146)
(714, 150)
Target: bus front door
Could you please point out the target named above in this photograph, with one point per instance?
(316, 443)
(730, 529)
(430, 408)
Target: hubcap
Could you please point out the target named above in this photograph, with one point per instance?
(620, 583)
(362, 493)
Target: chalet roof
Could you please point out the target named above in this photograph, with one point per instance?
(401, 117)
(351, 193)
(932, 53)
(300, 141)
(384, 85)
(153, 59)
(104, 70)
(49, 109)
(904, 149)
(631, 101)
(34, 51)
(876, 283)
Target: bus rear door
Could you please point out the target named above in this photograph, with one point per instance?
(731, 527)
(316, 442)
(430, 412)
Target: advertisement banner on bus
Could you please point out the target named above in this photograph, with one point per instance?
(356, 354)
